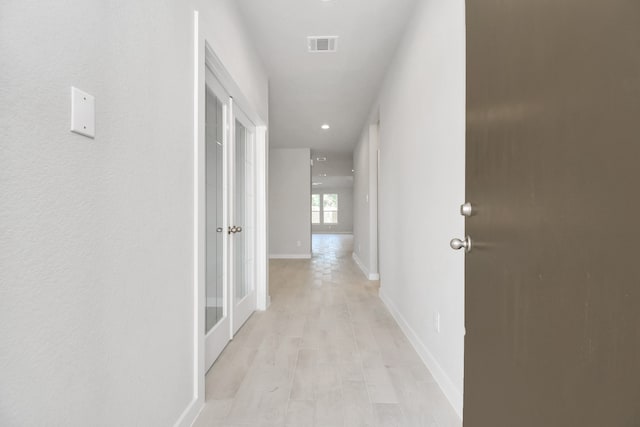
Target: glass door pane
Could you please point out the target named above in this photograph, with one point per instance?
(215, 292)
(217, 314)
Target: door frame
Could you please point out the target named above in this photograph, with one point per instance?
(204, 56)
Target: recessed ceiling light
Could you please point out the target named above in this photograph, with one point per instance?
(325, 126)
(317, 183)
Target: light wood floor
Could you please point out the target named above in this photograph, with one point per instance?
(326, 353)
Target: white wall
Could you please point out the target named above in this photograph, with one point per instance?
(290, 202)
(337, 163)
(365, 250)
(345, 211)
(96, 236)
(422, 138)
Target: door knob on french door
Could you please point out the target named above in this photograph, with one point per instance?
(458, 244)
(238, 229)
(466, 209)
(233, 229)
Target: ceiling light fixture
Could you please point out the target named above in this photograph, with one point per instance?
(325, 127)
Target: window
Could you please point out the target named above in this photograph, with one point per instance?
(324, 208)
(315, 209)
(330, 208)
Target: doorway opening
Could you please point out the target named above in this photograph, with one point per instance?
(331, 198)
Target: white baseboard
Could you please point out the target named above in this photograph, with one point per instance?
(359, 263)
(365, 270)
(190, 414)
(289, 256)
(453, 394)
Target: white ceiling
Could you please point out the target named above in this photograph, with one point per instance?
(309, 89)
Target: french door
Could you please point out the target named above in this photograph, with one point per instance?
(243, 213)
(230, 222)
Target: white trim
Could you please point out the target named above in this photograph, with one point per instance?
(190, 414)
(290, 256)
(196, 404)
(373, 197)
(261, 264)
(359, 263)
(226, 80)
(453, 394)
(364, 269)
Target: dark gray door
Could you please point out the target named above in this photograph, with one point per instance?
(553, 172)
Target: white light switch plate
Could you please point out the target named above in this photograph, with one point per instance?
(83, 113)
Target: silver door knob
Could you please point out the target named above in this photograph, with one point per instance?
(235, 229)
(458, 244)
(466, 209)
(219, 229)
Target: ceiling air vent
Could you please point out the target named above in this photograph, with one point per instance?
(318, 44)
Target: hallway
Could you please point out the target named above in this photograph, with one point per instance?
(325, 353)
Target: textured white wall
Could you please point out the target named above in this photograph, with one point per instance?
(290, 202)
(361, 207)
(96, 236)
(422, 141)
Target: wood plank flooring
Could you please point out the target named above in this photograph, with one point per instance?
(326, 353)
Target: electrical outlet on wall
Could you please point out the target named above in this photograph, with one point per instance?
(436, 321)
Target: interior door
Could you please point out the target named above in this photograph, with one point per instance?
(243, 229)
(217, 310)
(553, 275)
